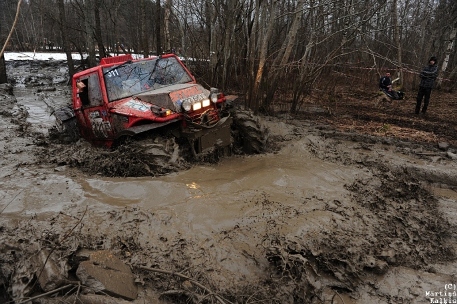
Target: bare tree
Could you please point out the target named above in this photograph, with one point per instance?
(450, 12)
(211, 19)
(166, 17)
(12, 27)
(90, 31)
(449, 50)
(397, 40)
(98, 30)
(64, 34)
(158, 27)
(232, 13)
(279, 66)
(3, 77)
(143, 29)
(267, 17)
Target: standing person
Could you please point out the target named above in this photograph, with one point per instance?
(428, 76)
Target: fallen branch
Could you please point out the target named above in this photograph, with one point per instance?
(429, 153)
(339, 296)
(46, 294)
(193, 282)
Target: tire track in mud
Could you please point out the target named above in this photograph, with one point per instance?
(391, 221)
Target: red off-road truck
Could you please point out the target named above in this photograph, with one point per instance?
(123, 97)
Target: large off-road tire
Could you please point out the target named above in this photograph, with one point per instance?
(66, 129)
(249, 132)
(146, 155)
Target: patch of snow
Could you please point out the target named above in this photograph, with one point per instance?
(39, 56)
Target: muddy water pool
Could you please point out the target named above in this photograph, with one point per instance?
(208, 196)
(40, 105)
(203, 194)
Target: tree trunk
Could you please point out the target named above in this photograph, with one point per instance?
(183, 30)
(450, 47)
(3, 78)
(158, 28)
(63, 33)
(211, 18)
(232, 13)
(256, 96)
(424, 41)
(98, 30)
(166, 18)
(144, 31)
(251, 43)
(397, 42)
(279, 70)
(90, 29)
(453, 76)
(300, 87)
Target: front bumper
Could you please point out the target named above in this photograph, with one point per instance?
(205, 140)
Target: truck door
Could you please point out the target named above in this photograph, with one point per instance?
(90, 110)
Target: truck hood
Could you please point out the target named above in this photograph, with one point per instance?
(170, 97)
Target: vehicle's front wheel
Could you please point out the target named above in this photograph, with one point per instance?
(66, 127)
(249, 132)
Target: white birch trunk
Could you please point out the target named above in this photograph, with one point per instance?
(450, 47)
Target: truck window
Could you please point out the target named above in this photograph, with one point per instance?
(90, 94)
(83, 94)
(131, 78)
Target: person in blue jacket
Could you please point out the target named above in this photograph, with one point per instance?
(428, 77)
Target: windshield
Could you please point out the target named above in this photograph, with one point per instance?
(133, 78)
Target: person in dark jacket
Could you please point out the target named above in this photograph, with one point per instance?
(428, 76)
(385, 85)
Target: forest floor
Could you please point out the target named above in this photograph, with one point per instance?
(354, 202)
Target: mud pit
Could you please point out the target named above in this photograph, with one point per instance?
(329, 215)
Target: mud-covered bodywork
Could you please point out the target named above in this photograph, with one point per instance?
(125, 97)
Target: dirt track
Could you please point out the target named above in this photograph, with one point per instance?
(350, 206)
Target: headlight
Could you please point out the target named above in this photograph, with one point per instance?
(205, 102)
(187, 105)
(213, 98)
(197, 106)
(194, 103)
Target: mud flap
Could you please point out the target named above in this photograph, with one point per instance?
(205, 140)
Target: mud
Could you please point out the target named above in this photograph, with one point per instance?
(328, 214)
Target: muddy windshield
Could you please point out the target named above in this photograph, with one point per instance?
(131, 78)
